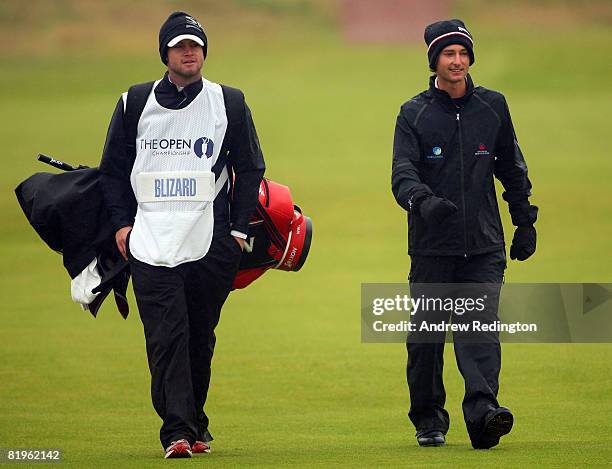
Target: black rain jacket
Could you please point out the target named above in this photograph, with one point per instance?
(454, 149)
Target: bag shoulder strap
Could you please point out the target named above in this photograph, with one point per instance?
(137, 97)
(234, 107)
(234, 110)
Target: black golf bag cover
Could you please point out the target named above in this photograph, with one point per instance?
(68, 213)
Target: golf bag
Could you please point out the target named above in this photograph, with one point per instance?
(279, 235)
(68, 213)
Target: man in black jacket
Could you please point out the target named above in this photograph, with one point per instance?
(450, 142)
(167, 184)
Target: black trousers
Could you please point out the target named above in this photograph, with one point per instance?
(180, 308)
(479, 361)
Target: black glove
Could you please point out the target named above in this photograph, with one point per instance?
(436, 209)
(523, 243)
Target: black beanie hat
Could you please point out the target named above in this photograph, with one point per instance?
(444, 33)
(179, 26)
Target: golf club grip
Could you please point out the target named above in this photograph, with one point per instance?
(55, 163)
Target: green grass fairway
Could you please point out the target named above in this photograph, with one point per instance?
(292, 383)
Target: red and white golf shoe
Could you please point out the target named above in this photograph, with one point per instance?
(200, 447)
(178, 449)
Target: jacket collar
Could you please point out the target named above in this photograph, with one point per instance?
(169, 96)
(190, 91)
(435, 92)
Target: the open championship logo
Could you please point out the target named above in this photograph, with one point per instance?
(203, 146)
(177, 146)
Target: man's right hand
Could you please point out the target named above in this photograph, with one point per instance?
(120, 238)
(436, 209)
(523, 243)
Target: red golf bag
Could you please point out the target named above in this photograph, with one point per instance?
(279, 235)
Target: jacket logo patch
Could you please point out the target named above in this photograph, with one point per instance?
(482, 150)
(203, 146)
(436, 153)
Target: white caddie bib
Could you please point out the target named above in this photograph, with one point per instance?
(172, 178)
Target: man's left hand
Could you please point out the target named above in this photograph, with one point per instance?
(523, 243)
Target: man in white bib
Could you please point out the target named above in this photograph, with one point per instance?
(180, 177)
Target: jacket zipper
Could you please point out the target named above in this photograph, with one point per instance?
(462, 187)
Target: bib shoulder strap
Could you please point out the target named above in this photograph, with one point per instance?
(136, 100)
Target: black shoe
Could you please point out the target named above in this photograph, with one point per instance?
(431, 438)
(497, 424)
